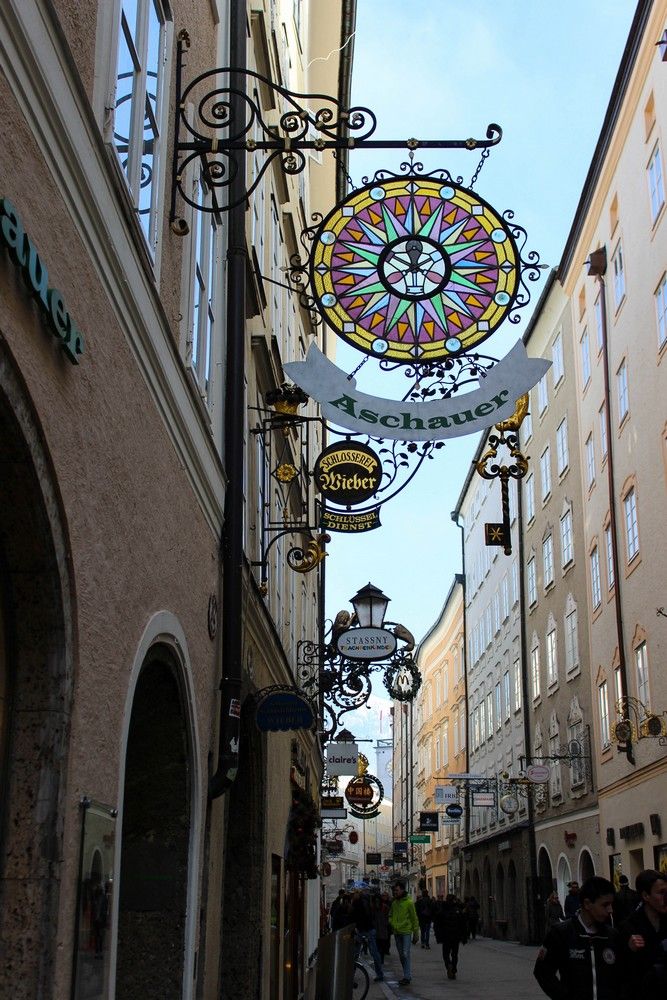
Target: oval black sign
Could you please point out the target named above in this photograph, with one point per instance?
(348, 473)
(454, 810)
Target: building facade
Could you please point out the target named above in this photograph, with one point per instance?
(143, 812)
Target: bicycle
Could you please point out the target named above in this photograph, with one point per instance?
(361, 982)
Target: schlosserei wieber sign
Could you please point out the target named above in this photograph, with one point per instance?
(343, 405)
(347, 473)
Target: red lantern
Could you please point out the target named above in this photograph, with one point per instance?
(354, 837)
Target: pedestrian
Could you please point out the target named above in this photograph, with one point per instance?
(472, 913)
(644, 938)
(362, 915)
(380, 913)
(578, 960)
(340, 914)
(554, 910)
(572, 899)
(626, 902)
(450, 926)
(424, 908)
(405, 928)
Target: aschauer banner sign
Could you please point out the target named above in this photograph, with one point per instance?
(344, 406)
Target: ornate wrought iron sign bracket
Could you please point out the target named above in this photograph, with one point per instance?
(217, 123)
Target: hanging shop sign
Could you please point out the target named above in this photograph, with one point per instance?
(24, 254)
(342, 405)
(428, 820)
(444, 794)
(342, 758)
(400, 850)
(364, 795)
(333, 520)
(282, 709)
(484, 799)
(347, 473)
(538, 774)
(454, 810)
(412, 269)
(366, 643)
(420, 838)
(373, 858)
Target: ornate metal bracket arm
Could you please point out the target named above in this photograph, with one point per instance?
(488, 468)
(220, 119)
(637, 722)
(303, 560)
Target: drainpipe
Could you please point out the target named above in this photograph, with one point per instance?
(234, 416)
(597, 268)
(525, 693)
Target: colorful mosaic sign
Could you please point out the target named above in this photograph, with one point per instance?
(414, 269)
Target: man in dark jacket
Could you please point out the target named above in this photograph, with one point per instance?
(578, 958)
(644, 938)
(572, 899)
(450, 926)
(424, 908)
(626, 902)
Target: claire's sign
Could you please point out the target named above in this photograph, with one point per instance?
(348, 473)
(343, 405)
(24, 254)
(342, 758)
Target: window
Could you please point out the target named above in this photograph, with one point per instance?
(445, 684)
(515, 581)
(557, 359)
(527, 427)
(532, 582)
(462, 729)
(456, 731)
(619, 275)
(137, 116)
(603, 706)
(482, 720)
(496, 612)
(499, 707)
(535, 670)
(655, 184)
(530, 497)
(545, 472)
(554, 746)
(562, 451)
(566, 543)
(575, 733)
(204, 236)
(548, 560)
(661, 311)
(585, 359)
(641, 663)
(602, 415)
(551, 650)
(590, 461)
(571, 637)
(596, 593)
(622, 388)
(517, 685)
(609, 551)
(618, 687)
(445, 743)
(542, 395)
(599, 322)
(507, 695)
(489, 714)
(631, 527)
(505, 593)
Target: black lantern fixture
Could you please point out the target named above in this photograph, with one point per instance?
(370, 606)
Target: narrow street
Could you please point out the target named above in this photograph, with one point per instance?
(487, 968)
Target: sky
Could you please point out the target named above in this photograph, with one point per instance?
(444, 69)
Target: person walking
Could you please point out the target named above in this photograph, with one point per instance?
(626, 902)
(644, 938)
(380, 913)
(578, 960)
(572, 899)
(362, 915)
(405, 928)
(424, 908)
(340, 914)
(450, 926)
(472, 913)
(554, 910)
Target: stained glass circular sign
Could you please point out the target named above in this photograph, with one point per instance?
(414, 269)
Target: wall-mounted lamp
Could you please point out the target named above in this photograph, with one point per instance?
(370, 606)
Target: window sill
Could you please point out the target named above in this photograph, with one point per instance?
(625, 419)
(633, 564)
(574, 672)
(552, 688)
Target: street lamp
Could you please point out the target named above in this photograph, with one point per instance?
(370, 606)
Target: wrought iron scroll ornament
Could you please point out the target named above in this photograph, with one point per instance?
(217, 123)
(488, 468)
(636, 722)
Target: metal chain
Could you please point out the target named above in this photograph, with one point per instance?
(485, 153)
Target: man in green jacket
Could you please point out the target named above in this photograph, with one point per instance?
(404, 925)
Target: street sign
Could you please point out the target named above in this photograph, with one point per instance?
(468, 777)
(538, 774)
(444, 794)
(428, 820)
(333, 813)
(454, 810)
(420, 838)
(373, 858)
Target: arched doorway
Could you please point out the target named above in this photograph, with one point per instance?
(586, 866)
(500, 893)
(545, 879)
(487, 900)
(245, 877)
(563, 876)
(35, 676)
(155, 837)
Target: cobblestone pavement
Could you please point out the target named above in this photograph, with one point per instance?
(488, 970)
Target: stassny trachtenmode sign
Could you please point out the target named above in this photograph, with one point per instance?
(343, 405)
